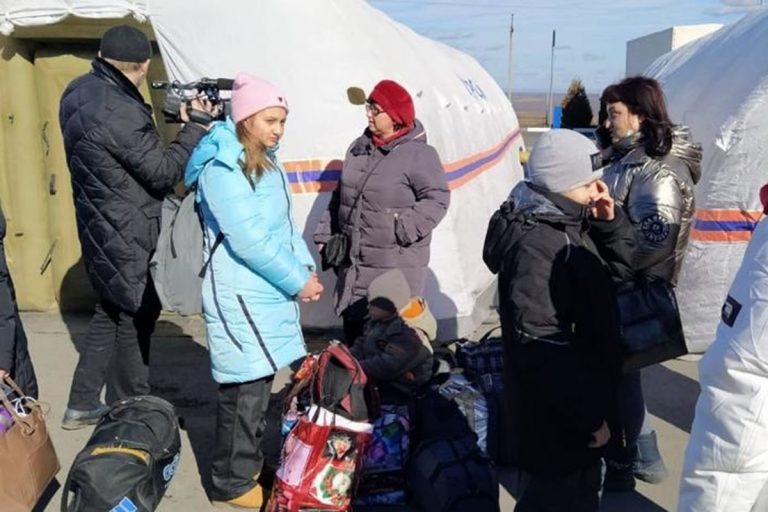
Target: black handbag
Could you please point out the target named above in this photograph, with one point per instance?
(651, 330)
(335, 253)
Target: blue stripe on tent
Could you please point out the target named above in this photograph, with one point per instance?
(713, 225)
(461, 171)
(334, 174)
(309, 176)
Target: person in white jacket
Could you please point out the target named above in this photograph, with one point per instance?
(726, 461)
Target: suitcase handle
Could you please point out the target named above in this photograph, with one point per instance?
(487, 335)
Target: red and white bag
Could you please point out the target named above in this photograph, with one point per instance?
(323, 453)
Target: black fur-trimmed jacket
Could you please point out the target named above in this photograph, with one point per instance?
(560, 325)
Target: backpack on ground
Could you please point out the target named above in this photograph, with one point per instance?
(452, 475)
(177, 265)
(383, 480)
(128, 462)
(340, 385)
(322, 456)
(455, 409)
(483, 364)
(483, 361)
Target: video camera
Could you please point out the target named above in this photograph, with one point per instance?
(176, 93)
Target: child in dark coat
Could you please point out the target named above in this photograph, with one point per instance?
(559, 319)
(14, 356)
(395, 349)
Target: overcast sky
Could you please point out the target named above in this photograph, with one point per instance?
(591, 35)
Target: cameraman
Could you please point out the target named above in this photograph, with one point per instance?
(120, 173)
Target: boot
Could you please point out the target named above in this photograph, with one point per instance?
(74, 420)
(618, 476)
(251, 500)
(648, 465)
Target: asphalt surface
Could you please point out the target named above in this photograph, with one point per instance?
(180, 373)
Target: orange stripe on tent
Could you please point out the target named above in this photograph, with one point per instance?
(721, 236)
(728, 215)
(313, 187)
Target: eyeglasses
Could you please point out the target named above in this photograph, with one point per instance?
(373, 109)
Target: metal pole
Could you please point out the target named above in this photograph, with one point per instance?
(551, 78)
(509, 62)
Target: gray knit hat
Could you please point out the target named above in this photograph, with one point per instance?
(390, 291)
(562, 160)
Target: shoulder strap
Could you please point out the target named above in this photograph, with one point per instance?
(359, 194)
(216, 243)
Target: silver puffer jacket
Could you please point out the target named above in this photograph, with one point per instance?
(657, 196)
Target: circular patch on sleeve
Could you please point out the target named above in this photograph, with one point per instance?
(655, 228)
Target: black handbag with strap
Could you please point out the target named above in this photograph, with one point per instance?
(651, 330)
(335, 253)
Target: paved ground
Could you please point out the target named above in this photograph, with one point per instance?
(180, 374)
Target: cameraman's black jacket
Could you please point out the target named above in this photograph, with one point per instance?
(560, 325)
(120, 173)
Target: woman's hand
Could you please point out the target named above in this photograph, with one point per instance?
(3, 374)
(312, 290)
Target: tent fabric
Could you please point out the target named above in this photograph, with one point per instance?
(718, 85)
(29, 13)
(315, 51)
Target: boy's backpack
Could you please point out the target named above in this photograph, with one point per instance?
(129, 460)
(452, 475)
(177, 265)
(497, 237)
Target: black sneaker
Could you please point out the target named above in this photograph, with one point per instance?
(618, 477)
(74, 420)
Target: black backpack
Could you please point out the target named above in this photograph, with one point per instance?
(129, 460)
(452, 475)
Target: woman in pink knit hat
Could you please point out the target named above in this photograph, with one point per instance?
(258, 267)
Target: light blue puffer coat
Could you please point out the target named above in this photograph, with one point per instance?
(249, 305)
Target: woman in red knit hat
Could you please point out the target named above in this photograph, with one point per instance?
(392, 193)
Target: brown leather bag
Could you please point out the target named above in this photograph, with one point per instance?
(28, 461)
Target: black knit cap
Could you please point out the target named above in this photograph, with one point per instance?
(126, 44)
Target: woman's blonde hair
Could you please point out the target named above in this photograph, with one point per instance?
(256, 158)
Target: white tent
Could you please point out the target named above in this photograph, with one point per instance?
(718, 85)
(316, 50)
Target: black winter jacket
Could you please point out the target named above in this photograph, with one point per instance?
(14, 356)
(560, 326)
(120, 173)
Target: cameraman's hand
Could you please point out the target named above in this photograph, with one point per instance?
(199, 103)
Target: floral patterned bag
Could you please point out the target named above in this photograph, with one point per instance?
(320, 464)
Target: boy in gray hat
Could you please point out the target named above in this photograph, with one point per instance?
(559, 320)
(395, 349)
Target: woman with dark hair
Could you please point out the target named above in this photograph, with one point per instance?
(653, 166)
